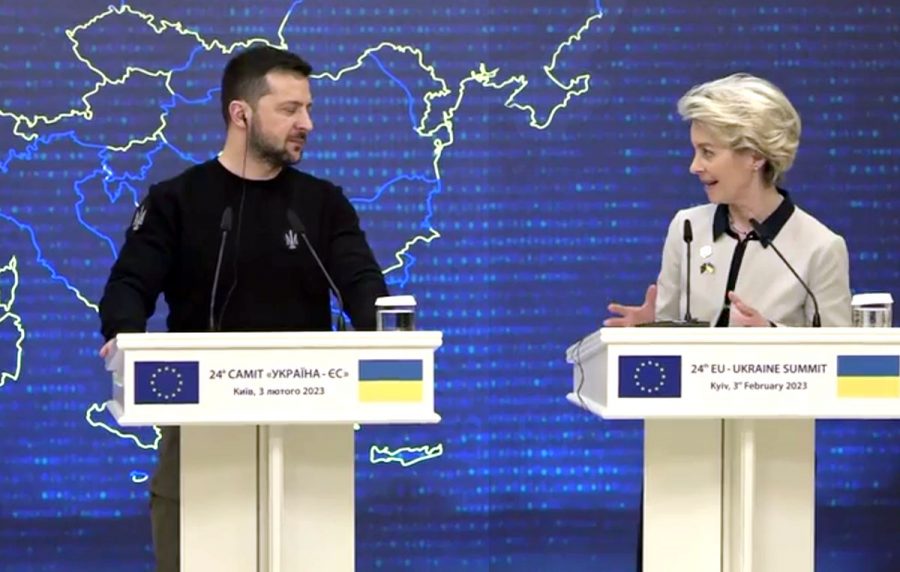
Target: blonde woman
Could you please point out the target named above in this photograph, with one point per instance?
(745, 134)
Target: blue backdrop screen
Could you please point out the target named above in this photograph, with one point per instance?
(515, 164)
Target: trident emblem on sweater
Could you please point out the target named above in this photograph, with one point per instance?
(290, 240)
(138, 219)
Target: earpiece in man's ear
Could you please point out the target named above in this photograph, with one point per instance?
(240, 118)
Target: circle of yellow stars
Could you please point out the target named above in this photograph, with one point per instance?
(662, 377)
(179, 387)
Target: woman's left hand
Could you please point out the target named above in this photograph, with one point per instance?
(743, 315)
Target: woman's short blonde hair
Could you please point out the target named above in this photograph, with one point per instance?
(748, 114)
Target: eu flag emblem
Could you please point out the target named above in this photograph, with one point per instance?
(649, 376)
(166, 382)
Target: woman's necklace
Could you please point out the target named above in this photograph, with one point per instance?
(741, 232)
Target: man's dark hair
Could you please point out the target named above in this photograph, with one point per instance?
(245, 74)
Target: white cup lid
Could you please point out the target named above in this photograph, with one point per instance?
(393, 301)
(872, 299)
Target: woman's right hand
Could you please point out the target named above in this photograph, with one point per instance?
(634, 315)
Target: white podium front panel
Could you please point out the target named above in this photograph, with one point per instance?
(738, 373)
(310, 378)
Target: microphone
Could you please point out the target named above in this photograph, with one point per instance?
(298, 227)
(766, 242)
(225, 227)
(689, 321)
(688, 239)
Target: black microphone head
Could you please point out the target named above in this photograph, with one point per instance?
(760, 232)
(688, 231)
(295, 222)
(225, 225)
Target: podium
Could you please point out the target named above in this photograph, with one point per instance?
(267, 422)
(729, 432)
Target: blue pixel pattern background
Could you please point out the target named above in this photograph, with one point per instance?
(515, 164)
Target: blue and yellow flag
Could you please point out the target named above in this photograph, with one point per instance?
(390, 380)
(868, 376)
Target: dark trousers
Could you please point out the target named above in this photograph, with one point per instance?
(639, 567)
(165, 520)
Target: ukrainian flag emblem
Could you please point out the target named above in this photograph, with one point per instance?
(868, 376)
(390, 380)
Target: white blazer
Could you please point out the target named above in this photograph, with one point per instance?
(756, 274)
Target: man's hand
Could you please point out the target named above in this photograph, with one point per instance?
(107, 347)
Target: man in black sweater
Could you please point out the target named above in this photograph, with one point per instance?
(269, 281)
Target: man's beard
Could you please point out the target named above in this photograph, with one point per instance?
(268, 153)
